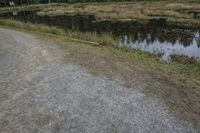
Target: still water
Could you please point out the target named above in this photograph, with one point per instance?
(156, 36)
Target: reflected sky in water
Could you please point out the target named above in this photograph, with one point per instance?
(163, 49)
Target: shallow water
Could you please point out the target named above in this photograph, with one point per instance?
(156, 36)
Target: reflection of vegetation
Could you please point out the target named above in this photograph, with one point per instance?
(198, 42)
(185, 40)
(151, 36)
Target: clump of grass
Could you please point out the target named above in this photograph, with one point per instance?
(195, 22)
(179, 6)
(102, 39)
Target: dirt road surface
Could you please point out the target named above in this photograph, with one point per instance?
(41, 92)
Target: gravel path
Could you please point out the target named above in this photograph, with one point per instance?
(41, 92)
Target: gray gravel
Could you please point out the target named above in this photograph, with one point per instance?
(41, 92)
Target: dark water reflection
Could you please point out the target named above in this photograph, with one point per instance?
(156, 37)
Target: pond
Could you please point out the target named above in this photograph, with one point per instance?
(156, 36)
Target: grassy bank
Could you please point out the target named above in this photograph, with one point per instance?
(178, 85)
